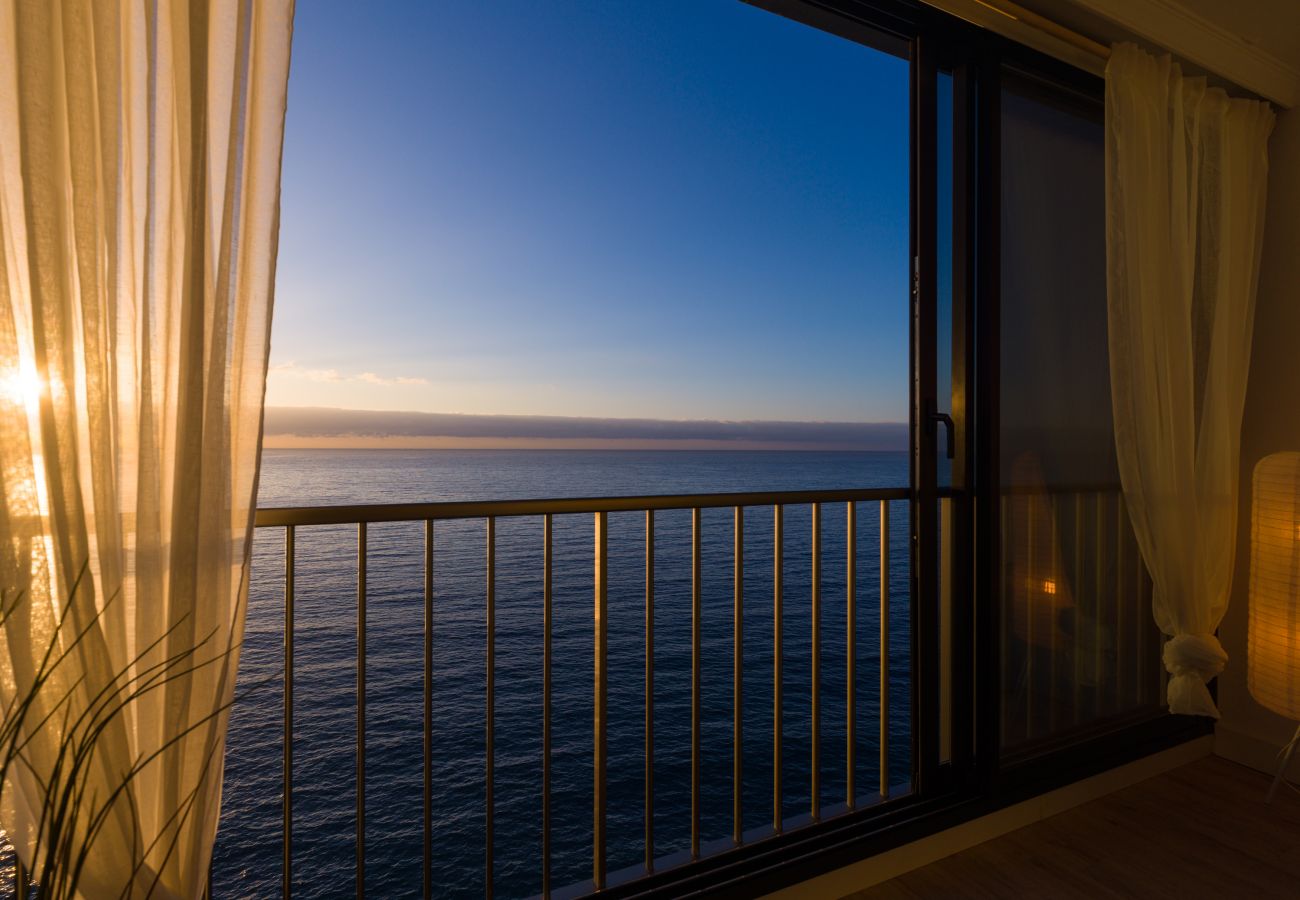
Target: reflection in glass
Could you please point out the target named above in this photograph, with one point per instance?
(1079, 643)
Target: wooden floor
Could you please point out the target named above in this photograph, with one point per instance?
(1199, 831)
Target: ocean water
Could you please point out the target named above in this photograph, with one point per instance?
(248, 852)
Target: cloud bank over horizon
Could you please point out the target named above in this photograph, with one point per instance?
(299, 427)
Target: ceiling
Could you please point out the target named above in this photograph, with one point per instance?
(1253, 44)
(1271, 25)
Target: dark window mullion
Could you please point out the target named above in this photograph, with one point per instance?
(925, 587)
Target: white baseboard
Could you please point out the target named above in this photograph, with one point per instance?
(1252, 751)
(900, 860)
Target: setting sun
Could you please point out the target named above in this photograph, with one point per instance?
(23, 385)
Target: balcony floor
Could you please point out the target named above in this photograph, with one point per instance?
(1201, 830)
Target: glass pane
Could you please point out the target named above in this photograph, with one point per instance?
(943, 267)
(677, 232)
(1079, 643)
(943, 391)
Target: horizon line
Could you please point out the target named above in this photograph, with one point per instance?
(297, 427)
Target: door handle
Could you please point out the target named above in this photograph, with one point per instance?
(949, 429)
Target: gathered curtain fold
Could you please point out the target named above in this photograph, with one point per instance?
(140, 146)
(1186, 178)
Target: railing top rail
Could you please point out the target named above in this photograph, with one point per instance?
(280, 516)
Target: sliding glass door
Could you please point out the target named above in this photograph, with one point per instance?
(1033, 613)
(1079, 645)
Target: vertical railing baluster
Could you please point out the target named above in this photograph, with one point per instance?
(361, 710)
(1121, 651)
(1099, 628)
(850, 652)
(1140, 650)
(649, 691)
(601, 616)
(737, 682)
(946, 642)
(816, 658)
(287, 861)
(1026, 588)
(778, 539)
(427, 824)
(490, 736)
(696, 602)
(1005, 612)
(1051, 604)
(20, 878)
(884, 649)
(1079, 595)
(546, 704)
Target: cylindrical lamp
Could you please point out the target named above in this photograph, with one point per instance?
(1273, 641)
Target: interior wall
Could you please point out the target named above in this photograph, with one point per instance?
(1248, 732)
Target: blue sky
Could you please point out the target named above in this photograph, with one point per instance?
(612, 208)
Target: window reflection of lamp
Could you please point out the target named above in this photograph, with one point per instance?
(1041, 606)
(1273, 640)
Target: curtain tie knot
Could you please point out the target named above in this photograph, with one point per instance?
(1192, 660)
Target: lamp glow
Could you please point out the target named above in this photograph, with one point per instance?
(1273, 664)
(1273, 635)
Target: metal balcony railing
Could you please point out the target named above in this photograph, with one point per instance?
(1076, 647)
(290, 520)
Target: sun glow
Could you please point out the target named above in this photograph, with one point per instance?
(25, 386)
(21, 391)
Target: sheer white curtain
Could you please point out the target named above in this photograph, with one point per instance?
(140, 150)
(1186, 173)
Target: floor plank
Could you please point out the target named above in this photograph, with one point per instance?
(1202, 830)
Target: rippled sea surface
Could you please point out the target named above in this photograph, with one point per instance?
(249, 846)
